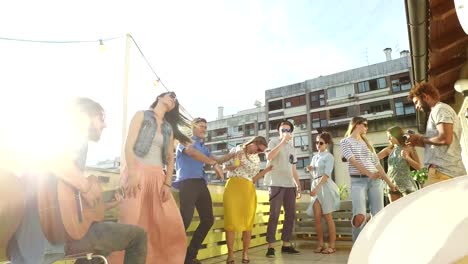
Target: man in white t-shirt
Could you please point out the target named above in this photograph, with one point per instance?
(442, 149)
(284, 187)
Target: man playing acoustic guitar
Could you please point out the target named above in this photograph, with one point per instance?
(32, 242)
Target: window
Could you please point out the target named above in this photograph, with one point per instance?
(219, 146)
(299, 120)
(395, 86)
(382, 83)
(319, 119)
(403, 107)
(372, 85)
(275, 105)
(340, 91)
(294, 101)
(317, 99)
(219, 132)
(338, 113)
(249, 129)
(375, 107)
(302, 162)
(314, 138)
(274, 124)
(363, 87)
(401, 83)
(261, 126)
(301, 141)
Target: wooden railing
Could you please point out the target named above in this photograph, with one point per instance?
(342, 218)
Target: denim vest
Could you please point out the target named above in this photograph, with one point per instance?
(146, 134)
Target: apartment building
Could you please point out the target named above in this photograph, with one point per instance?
(327, 103)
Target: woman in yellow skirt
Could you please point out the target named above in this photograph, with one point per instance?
(240, 197)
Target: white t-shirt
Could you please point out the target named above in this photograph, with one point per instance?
(447, 158)
(281, 175)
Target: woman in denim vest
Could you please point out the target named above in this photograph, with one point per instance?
(149, 155)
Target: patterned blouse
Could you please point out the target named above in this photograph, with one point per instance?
(249, 168)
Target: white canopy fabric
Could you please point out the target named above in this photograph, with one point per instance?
(429, 226)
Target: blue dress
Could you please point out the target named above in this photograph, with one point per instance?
(328, 195)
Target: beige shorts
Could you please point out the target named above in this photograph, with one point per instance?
(435, 176)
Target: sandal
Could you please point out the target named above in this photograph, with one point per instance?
(230, 261)
(329, 250)
(244, 260)
(319, 249)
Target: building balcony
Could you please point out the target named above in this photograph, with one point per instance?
(219, 137)
(373, 94)
(378, 115)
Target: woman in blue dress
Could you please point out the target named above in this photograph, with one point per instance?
(324, 193)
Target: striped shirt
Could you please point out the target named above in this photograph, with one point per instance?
(351, 147)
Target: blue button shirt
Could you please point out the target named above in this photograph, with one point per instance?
(186, 166)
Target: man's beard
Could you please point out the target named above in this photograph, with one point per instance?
(425, 106)
(93, 134)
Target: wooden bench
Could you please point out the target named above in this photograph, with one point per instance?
(305, 225)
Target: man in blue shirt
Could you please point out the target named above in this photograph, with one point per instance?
(192, 184)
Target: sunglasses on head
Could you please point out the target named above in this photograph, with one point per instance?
(285, 130)
(320, 143)
(172, 95)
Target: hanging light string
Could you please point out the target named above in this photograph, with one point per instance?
(158, 80)
(61, 41)
(101, 42)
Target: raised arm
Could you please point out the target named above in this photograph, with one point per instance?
(197, 155)
(385, 152)
(409, 154)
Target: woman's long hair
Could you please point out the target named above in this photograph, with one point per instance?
(176, 119)
(357, 120)
(259, 140)
(397, 132)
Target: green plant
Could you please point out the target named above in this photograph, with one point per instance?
(343, 190)
(420, 175)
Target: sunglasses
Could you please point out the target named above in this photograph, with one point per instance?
(285, 130)
(364, 124)
(259, 150)
(320, 143)
(172, 95)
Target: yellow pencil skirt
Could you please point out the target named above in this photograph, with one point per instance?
(240, 204)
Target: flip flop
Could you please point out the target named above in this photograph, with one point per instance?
(319, 249)
(329, 250)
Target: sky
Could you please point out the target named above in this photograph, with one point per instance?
(211, 53)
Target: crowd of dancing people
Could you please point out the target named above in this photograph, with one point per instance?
(151, 226)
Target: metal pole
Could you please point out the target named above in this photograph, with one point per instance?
(124, 100)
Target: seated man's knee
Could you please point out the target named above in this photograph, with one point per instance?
(358, 220)
(140, 235)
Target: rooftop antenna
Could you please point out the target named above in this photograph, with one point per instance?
(365, 57)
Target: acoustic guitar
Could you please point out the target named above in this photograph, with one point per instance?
(63, 213)
(12, 206)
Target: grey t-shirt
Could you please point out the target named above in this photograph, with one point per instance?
(281, 175)
(447, 158)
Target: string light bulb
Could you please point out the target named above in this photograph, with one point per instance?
(102, 48)
(156, 82)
